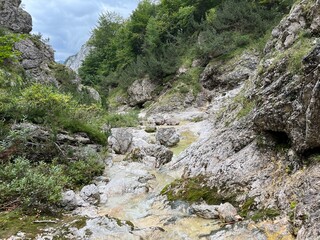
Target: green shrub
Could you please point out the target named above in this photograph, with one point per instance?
(7, 52)
(122, 120)
(82, 172)
(28, 186)
(79, 125)
(40, 103)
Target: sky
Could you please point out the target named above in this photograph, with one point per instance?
(68, 23)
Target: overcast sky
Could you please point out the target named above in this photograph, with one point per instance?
(68, 23)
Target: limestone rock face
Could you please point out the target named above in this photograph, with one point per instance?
(219, 74)
(140, 92)
(74, 62)
(36, 59)
(13, 17)
(288, 97)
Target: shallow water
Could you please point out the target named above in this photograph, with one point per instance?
(151, 209)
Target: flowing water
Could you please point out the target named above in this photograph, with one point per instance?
(149, 208)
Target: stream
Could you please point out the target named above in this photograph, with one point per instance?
(149, 209)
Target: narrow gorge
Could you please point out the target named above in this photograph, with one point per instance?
(188, 120)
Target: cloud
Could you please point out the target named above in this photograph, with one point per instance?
(68, 23)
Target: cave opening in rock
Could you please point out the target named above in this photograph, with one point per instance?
(312, 152)
(280, 139)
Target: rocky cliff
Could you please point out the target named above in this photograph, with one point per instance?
(265, 141)
(74, 62)
(15, 18)
(37, 58)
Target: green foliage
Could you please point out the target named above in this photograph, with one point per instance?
(122, 120)
(75, 125)
(82, 172)
(30, 186)
(7, 52)
(63, 75)
(159, 37)
(43, 104)
(267, 213)
(246, 207)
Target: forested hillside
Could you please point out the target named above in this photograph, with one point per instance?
(159, 38)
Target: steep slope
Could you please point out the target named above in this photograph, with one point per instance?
(74, 62)
(264, 148)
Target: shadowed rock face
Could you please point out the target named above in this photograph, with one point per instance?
(287, 100)
(13, 17)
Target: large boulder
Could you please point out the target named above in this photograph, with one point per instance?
(140, 92)
(120, 140)
(161, 154)
(13, 17)
(69, 200)
(151, 154)
(167, 137)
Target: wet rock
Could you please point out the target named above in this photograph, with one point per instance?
(167, 137)
(204, 210)
(227, 212)
(104, 228)
(69, 200)
(120, 140)
(90, 193)
(14, 17)
(140, 92)
(127, 177)
(238, 232)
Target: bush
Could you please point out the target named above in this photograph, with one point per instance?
(122, 120)
(43, 104)
(28, 186)
(82, 172)
(78, 125)
(7, 52)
